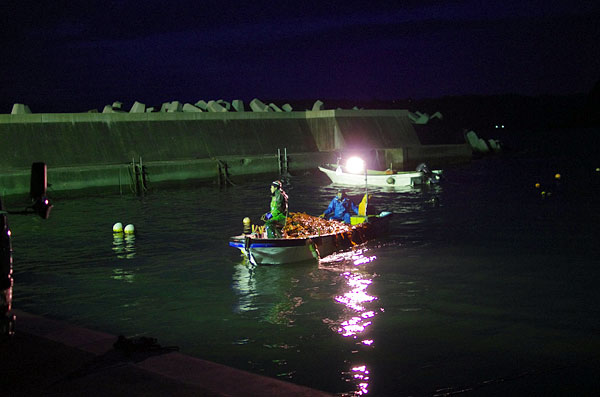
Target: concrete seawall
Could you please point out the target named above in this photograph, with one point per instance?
(94, 150)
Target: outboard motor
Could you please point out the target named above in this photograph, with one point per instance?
(428, 176)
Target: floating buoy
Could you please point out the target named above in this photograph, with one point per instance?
(537, 185)
(129, 229)
(557, 176)
(118, 227)
(247, 225)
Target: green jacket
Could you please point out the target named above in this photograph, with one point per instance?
(278, 206)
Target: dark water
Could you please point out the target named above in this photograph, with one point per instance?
(494, 291)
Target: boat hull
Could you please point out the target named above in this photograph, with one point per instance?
(375, 178)
(265, 251)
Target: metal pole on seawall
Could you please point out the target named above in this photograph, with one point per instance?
(279, 160)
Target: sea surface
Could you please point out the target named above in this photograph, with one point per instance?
(484, 286)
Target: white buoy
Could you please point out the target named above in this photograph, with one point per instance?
(118, 227)
(129, 229)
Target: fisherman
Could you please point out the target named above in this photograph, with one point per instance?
(275, 219)
(340, 208)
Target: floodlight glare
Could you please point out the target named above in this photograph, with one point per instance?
(355, 165)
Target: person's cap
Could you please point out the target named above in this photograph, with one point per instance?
(341, 191)
(277, 184)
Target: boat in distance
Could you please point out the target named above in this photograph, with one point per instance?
(259, 250)
(338, 174)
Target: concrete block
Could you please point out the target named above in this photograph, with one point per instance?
(137, 107)
(214, 107)
(174, 107)
(19, 108)
(275, 107)
(287, 107)
(494, 144)
(318, 105)
(224, 103)
(472, 139)
(238, 105)
(189, 108)
(164, 107)
(117, 105)
(258, 106)
(436, 115)
(150, 109)
(482, 146)
(418, 117)
(201, 104)
(108, 109)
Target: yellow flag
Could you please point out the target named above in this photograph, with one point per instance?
(362, 207)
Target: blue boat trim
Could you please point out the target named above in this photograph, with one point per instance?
(252, 245)
(255, 243)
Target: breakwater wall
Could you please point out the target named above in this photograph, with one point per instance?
(95, 150)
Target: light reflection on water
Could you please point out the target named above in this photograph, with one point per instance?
(244, 285)
(357, 313)
(124, 245)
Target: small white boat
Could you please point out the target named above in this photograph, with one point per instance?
(340, 175)
(263, 251)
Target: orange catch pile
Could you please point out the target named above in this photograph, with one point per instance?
(300, 224)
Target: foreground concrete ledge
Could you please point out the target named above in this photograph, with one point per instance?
(187, 371)
(219, 378)
(80, 338)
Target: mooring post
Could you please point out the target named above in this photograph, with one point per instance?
(143, 175)
(279, 160)
(219, 174)
(136, 173)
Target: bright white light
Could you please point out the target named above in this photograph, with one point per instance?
(355, 165)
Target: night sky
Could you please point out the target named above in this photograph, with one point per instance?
(75, 56)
